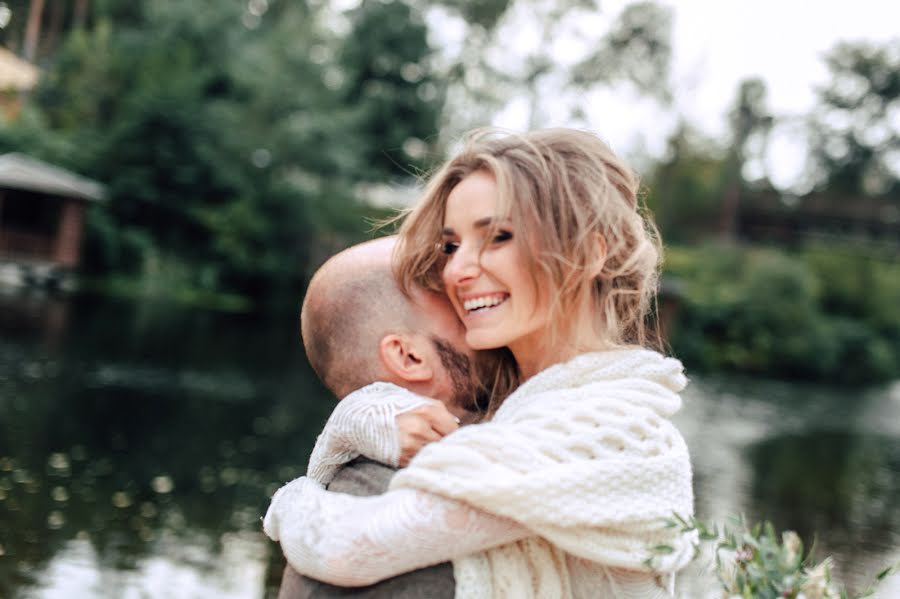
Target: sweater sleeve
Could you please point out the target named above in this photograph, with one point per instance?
(355, 541)
(363, 423)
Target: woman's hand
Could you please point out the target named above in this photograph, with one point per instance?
(421, 426)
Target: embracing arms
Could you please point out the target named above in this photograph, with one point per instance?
(354, 541)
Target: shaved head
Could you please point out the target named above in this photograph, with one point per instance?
(351, 303)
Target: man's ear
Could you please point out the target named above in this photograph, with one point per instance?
(403, 357)
(599, 258)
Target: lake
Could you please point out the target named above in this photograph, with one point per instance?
(140, 441)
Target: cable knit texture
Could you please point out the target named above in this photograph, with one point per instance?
(585, 456)
(562, 494)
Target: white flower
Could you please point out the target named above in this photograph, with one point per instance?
(792, 543)
(818, 582)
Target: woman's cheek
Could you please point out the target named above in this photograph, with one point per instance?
(460, 311)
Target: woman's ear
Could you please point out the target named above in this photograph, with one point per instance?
(403, 357)
(599, 258)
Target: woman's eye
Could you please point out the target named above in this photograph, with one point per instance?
(502, 236)
(448, 247)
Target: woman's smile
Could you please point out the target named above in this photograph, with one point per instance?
(482, 303)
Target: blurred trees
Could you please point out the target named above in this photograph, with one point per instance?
(232, 137)
(823, 305)
(856, 127)
(389, 87)
(512, 49)
(637, 49)
(235, 138)
(685, 190)
(238, 142)
(750, 123)
(824, 312)
(35, 28)
(697, 189)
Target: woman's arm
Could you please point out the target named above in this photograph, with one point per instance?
(355, 541)
(381, 421)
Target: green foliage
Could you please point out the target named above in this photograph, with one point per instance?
(488, 71)
(754, 562)
(818, 314)
(384, 72)
(685, 191)
(853, 138)
(638, 49)
(483, 13)
(231, 144)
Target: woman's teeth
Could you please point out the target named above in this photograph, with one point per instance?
(479, 303)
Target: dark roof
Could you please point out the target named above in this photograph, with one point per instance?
(18, 171)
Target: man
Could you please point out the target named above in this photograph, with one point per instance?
(358, 328)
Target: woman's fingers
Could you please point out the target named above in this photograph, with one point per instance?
(438, 417)
(441, 419)
(413, 424)
(421, 426)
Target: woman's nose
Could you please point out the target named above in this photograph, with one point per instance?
(464, 265)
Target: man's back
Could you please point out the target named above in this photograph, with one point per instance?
(364, 477)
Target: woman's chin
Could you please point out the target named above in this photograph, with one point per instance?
(478, 339)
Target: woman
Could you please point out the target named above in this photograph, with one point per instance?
(540, 245)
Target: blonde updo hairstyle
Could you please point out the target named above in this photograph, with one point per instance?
(560, 189)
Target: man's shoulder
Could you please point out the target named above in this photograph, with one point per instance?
(362, 477)
(435, 582)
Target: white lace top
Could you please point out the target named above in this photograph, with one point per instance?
(561, 495)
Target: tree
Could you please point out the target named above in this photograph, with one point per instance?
(633, 48)
(385, 72)
(685, 190)
(750, 122)
(637, 49)
(855, 132)
(232, 138)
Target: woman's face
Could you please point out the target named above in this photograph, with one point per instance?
(493, 292)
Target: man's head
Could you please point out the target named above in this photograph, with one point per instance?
(358, 328)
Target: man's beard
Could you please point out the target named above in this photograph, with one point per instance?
(466, 390)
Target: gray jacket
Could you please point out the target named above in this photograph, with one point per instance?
(365, 477)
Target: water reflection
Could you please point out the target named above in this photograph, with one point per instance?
(820, 480)
(824, 462)
(33, 314)
(172, 568)
(141, 432)
(139, 443)
(841, 488)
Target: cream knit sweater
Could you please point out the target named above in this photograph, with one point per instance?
(562, 494)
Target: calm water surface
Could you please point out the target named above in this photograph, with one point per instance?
(139, 443)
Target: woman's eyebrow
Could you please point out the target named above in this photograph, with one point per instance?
(481, 223)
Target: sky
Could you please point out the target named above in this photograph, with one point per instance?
(716, 44)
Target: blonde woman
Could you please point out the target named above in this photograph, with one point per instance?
(539, 242)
